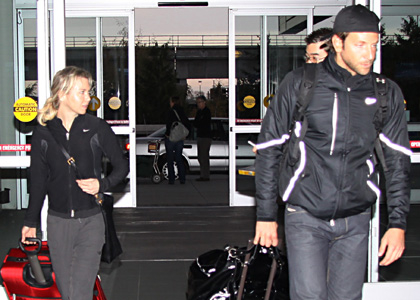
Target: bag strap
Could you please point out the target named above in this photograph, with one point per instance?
(179, 119)
(245, 270)
(310, 77)
(306, 91)
(250, 253)
(70, 160)
(381, 91)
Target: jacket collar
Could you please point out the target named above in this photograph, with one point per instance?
(56, 124)
(344, 75)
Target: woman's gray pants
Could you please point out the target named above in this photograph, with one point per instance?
(75, 249)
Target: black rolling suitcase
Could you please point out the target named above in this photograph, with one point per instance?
(27, 274)
(232, 273)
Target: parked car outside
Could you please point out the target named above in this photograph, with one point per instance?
(146, 148)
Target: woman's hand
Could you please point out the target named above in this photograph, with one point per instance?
(28, 232)
(90, 186)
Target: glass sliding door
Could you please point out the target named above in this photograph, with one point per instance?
(100, 44)
(264, 47)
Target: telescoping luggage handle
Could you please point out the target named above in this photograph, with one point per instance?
(33, 259)
(245, 271)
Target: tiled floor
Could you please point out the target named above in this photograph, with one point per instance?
(177, 223)
(161, 243)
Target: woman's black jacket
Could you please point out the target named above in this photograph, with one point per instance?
(89, 139)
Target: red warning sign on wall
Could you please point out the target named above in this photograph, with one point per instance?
(415, 144)
(15, 147)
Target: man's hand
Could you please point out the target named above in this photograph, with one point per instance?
(90, 186)
(393, 242)
(266, 234)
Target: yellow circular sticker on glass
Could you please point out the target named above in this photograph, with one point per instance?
(94, 103)
(249, 101)
(25, 109)
(114, 103)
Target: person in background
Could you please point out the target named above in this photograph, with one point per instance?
(330, 190)
(174, 149)
(202, 122)
(76, 229)
(318, 43)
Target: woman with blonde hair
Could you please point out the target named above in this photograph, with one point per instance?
(76, 231)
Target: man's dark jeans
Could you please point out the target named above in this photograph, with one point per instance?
(327, 259)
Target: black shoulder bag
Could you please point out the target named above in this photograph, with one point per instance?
(112, 247)
(241, 273)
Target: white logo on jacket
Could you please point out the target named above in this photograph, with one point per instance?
(370, 101)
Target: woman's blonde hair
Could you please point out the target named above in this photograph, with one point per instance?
(63, 81)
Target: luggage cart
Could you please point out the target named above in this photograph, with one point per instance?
(157, 176)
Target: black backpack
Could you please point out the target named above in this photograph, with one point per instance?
(310, 78)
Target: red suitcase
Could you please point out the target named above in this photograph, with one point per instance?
(27, 274)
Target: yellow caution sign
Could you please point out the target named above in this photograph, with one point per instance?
(94, 104)
(114, 103)
(249, 101)
(25, 109)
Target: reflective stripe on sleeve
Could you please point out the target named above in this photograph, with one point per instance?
(272, 143)
(394, 146)
(298, 172)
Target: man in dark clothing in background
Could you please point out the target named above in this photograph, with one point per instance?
(202, 122)
(318, 43)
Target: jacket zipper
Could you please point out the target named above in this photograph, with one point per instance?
(334, 123)
(343, 155)
(71, 200)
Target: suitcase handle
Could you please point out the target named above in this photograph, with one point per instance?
(35, 251)
(33, 260)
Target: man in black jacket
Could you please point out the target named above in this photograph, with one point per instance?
(202, 122)
(333, 184)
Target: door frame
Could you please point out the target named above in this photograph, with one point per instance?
(235, 198)
(126, 199)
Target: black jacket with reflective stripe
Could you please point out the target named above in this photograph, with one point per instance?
(89, 139)
(334, 176)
